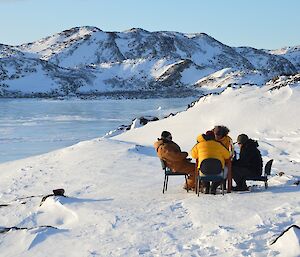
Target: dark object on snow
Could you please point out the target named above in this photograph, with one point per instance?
(56, 192)
(7, 229)
(145, 119)
(293, 226)
(297, 183)
(59, 191)
(281, 173)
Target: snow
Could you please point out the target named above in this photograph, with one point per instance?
(39, 82)
(290, 238)
(116, 206)
(258, 58)
(290, 53)
(229, 76)
(160, 67)
(192, 75)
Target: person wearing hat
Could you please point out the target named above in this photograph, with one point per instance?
(208, 147)
(175, 159)
(249, 164)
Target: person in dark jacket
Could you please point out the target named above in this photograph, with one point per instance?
(249, 164)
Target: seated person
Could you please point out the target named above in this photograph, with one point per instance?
(249, 164)
(208, 147)
(221, 135)
(175, 159)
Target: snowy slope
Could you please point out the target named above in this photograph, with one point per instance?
(115, 205)
(35, 77)
(266, 62)
(221, 79)
(135, 62)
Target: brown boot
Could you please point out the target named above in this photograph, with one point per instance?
(190, 184)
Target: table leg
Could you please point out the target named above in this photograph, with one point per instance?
(229, 176)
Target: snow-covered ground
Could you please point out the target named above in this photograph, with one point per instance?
(115, 205)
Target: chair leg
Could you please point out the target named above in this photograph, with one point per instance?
(222, 187)
(198, 186)
(186, 183)
(165, 180)
(167, 183)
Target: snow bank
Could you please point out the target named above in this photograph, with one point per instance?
(290, 238)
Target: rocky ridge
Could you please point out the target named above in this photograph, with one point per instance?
(89, 62)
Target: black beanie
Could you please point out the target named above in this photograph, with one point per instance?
(165, 134)
(242, 139)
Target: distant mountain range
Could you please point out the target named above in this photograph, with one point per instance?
(89, 62)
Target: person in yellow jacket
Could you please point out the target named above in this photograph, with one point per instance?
(208, 147)
(221, 135)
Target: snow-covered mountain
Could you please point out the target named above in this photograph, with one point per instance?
(266, 62)
(138, 62)
(290, 53)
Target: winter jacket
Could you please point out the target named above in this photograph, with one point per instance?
(250, 157)
(227, 142)
(171, 153)
(209, 149)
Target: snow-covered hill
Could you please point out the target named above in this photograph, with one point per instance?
(266, 62)
(35, 77)
(290, 53)
(137, 61)
(115, 205)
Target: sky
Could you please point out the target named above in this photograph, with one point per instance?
(268, 24)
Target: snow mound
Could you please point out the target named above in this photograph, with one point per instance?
(288, 243)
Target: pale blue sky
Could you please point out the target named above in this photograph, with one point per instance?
(266, 24)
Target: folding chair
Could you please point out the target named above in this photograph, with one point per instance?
(169, 172)
(210, 171)
(264, 177)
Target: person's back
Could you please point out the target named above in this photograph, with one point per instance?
(170, 152)
(207, 147)
(175, 159)
(250, 157)
(249, 164)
